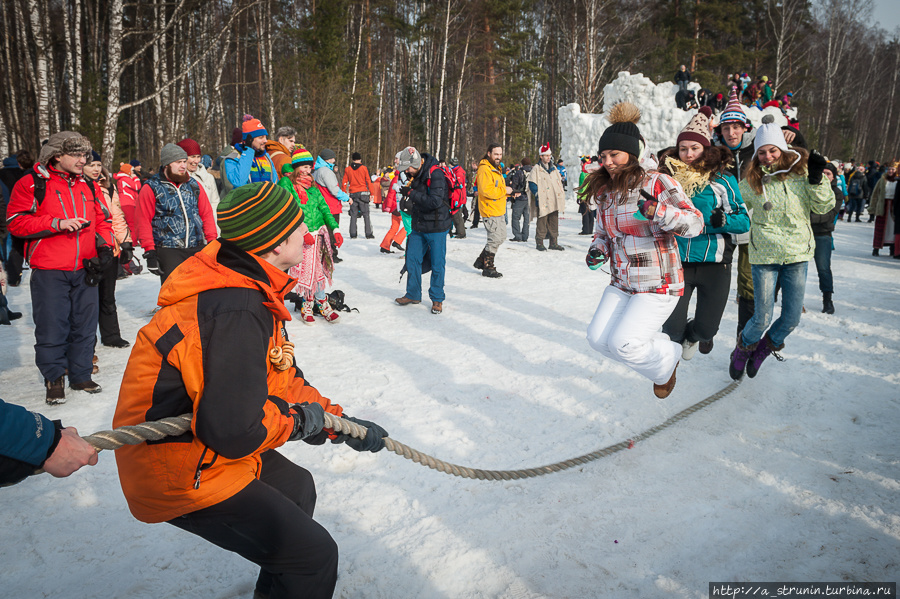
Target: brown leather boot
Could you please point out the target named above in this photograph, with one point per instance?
(663, 391)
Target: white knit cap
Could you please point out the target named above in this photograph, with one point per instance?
(769, 134)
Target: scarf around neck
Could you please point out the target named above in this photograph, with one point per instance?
(691, 181)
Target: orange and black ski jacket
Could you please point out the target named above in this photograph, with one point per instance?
(206, 352)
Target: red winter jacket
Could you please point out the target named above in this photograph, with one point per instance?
(67, 196)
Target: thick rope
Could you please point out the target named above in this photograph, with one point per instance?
(167, 427)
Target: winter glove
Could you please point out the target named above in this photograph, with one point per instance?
(717, 219)
(338, 239)
(126, 253)
(815, 167)
(647, 209)
(373, 442)
(308, 239)
(404, 191)
(309, 420)
(595, 258)
(92, 271)
(152, 262)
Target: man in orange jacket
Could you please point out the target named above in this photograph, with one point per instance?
(218, 348)
(356, 183)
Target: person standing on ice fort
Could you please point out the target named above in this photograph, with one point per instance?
(639, 213)
(218, 348)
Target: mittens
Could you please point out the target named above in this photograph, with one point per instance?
(338, 239)
(718, 219)
(595, 258)
(647, 208)
(815, 167)
(308, 239)
(152, 262)
(126, 252)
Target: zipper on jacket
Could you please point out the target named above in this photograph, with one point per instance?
(78, 231)
(187, 224)
(201, 467)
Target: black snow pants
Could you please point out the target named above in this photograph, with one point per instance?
(269, 522)
(712, 281)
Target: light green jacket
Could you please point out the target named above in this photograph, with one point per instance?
(782, 234)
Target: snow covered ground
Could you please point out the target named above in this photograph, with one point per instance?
(793, 477)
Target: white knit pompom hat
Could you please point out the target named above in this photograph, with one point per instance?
(769, 134)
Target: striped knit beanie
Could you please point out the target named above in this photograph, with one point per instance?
(734, 112)
(258, 217)
(301, 156)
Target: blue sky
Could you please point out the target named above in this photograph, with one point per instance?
(887, 14)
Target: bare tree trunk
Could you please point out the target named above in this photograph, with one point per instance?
(353, 90)
(440, 107)
(112, 106)
(13, 125)
(74, 57)
(43, 96)
(462, 74)
(890, 104)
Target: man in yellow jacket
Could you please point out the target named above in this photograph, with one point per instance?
(492, 194)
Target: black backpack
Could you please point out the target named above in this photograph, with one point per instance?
(336, 300)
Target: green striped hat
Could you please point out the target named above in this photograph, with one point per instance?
(258, 217)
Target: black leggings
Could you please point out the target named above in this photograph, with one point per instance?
(270, 523)
(712, 280)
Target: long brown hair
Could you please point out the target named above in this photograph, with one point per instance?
(627, 177)
(753, 171)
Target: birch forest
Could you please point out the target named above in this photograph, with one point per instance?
(448, 76)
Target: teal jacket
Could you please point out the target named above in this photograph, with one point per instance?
(782, 234)
(315, 211)
(715, 245)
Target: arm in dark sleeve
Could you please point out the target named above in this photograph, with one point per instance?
(799, 140)
(236, 416)
(431, 197)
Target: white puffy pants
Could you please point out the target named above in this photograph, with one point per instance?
(626, 328)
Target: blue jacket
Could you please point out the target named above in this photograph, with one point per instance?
(246, 167)
(26, 440)
(176, 221)
(714, 245)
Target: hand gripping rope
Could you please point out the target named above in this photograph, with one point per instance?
(177, 425)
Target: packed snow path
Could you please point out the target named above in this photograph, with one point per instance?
(794, 476)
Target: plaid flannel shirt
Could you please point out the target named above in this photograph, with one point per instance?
(643, 254)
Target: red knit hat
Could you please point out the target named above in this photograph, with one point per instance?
(190, 146)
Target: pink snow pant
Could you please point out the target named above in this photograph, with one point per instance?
(626, 328)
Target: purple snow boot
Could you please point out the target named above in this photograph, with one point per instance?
(762, 351)
(739, 358)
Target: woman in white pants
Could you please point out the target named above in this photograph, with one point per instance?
(639, 213)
